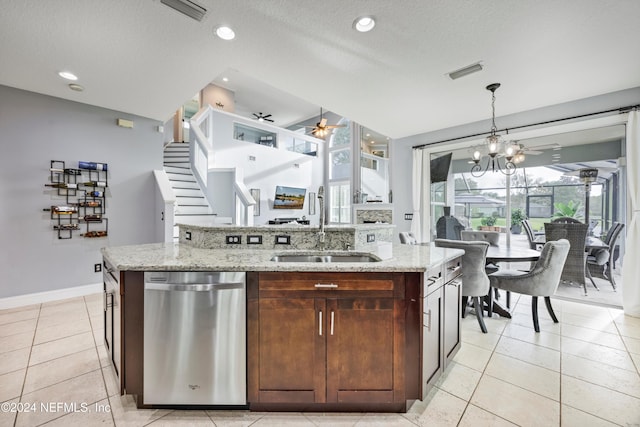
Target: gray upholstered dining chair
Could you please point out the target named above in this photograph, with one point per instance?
(576, 234)
(475, 282)
(408, 238)
(541, 281)
(600, 262)
(493, 237)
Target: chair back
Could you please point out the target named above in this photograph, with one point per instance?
(576, 234)
(566, 219)
(613, 234)
(493, 237)
(530, 236)
(407, 238)
(475, 281)
(547, 271)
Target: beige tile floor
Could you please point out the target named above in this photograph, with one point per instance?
(580, 372)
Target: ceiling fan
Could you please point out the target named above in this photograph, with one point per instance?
(262, 118)
(322, 129)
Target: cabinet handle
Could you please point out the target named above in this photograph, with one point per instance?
(455, 268)
(109, 294)
(320, 323)
(326, 285)
(429, 320)
(332, 319)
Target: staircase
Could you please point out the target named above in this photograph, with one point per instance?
(191, 204)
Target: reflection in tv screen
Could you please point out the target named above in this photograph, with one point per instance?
(289, 197)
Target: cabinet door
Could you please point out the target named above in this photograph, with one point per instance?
(364, 350)
(291, 350)
(452, 315)
(432, 340)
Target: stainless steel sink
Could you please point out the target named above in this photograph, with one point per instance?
(326, 258)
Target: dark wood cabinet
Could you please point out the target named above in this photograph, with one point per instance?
(333, 339)
(441, 335)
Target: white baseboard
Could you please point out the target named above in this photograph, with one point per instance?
(58, 294)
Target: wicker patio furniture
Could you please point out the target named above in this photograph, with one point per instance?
(575, 265)
(600, 262)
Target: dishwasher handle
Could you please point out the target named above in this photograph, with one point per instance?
(192, 287)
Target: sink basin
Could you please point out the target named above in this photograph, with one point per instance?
(326, 258)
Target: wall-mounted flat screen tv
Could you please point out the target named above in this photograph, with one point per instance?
(289, 197)
(440, 168)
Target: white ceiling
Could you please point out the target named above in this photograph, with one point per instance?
(141, 57)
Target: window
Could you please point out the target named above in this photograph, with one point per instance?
(340, 166)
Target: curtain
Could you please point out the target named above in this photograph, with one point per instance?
(630, 265)
(421, 196)
(416, 194)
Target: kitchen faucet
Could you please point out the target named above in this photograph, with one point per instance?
(321, 234)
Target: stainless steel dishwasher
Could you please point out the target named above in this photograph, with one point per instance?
(194, 338)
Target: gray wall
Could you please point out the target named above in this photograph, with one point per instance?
(35, 129)
(401, 156)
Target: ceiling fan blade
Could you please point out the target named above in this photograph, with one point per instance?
(268, 120)
(268, 115)
(256, 115)
(334, 126)
(532, 152)
(323, 123)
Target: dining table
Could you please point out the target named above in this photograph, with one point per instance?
(590, 243)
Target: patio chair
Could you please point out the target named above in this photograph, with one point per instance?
(575, 265)
(566, 219)
(541, 281)
(531, 236)
(475, 282)
(600, 262)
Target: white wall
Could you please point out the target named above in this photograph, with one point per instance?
(271, 167)
(402, 152)
(35, 129)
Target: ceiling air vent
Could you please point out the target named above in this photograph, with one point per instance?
(187, 7)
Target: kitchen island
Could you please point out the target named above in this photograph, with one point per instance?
(321, 336)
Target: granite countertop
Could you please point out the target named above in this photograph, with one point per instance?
(183, 257)
(286, 227)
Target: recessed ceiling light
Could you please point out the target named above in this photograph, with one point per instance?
(68, 75)
(225, 79)
(225, 33)
(364, 23)
(76, 87)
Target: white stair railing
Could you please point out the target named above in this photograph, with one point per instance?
(165, 205)
(202, 146)
(202, 161)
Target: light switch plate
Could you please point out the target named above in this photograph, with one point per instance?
(254, 240)
(283, 240)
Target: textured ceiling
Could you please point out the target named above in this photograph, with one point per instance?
(140, 57)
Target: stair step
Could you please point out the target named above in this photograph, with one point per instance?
(180, 175)
(183, 181)
(187, 192)
(177, 169)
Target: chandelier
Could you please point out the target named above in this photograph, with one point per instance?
(501, 155)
